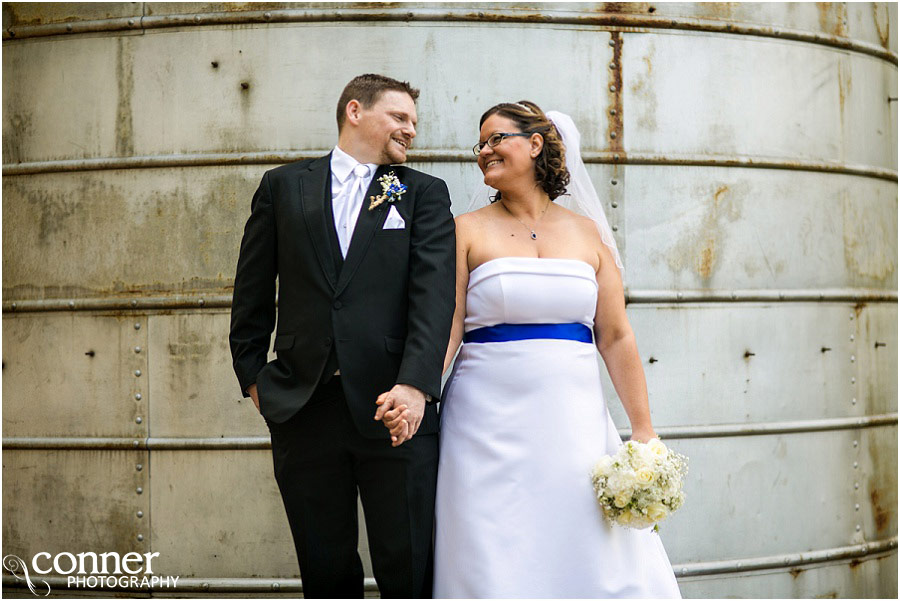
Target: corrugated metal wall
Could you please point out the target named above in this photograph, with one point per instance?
(748, 157)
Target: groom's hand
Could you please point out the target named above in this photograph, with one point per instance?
(251, 390)
(402, 409)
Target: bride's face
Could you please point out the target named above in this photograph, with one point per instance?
(510, 159)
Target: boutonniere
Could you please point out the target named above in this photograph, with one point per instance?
(391, 190)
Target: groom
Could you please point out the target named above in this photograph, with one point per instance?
(364, 251)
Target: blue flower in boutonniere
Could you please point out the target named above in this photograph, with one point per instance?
(391, 190)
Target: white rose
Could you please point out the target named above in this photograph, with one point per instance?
(658, 448)
(645, 476)
(657, 511)
(622, 499)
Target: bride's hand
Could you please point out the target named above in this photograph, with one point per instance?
(643, 435)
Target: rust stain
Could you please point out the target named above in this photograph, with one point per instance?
(833, 18)
(854, 563)
(795, 573)
(882, 514)
(859, 308)
(125, 79)
(707, 258)
(882, 23)
(615, 132)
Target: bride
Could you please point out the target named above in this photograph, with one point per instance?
(523, 420)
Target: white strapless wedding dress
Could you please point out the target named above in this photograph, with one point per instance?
(522, 424)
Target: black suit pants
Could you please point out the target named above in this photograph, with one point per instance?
(321, 461)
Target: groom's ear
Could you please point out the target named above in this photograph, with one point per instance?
(352, 111)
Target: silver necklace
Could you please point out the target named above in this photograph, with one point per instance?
(536, 221)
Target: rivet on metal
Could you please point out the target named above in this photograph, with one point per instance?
(612, 65)
(612, 135)
(14, 306)
(864, 548)
(134, 303)
(276, 586)
(781, 295)
(267, 15)
(615, 157)
(68, 27)
(612, 111)
(855, 443)
(138, 396)
(136, 444)
(679, 296)
(615, 228)
(140, 514)
(615, 205)
(131, 22)
(856, 485)
(201, 302)
(613, 181)
(140, 537)
(205, 586)
(853, 380)
(852, 358)
(855, 464)
(137, 373)
(139, 467)
(139, 420)
(137, 349)
(734, 295)
(852, 401)
(197, 18)
(852, 337)
(858, 527)
(140, 490)
(612, 43)
(856, 507)
(71, 304)
(137, 326)
(612, 88)
(684, 571)
(738, 565)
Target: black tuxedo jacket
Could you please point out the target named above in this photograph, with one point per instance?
(386, 310)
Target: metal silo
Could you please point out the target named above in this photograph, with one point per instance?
(748, 155)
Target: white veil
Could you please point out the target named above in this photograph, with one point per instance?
(580, 197)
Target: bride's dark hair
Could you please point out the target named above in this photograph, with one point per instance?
(549, 166)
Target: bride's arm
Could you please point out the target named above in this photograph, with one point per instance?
(618, 347)
(462, 284)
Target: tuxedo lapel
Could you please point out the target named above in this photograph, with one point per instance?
(314, 186)
(366, 225)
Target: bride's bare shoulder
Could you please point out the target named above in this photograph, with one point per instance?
(475, 219)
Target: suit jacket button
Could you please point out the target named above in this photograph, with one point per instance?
(327, 342)
(337, 304)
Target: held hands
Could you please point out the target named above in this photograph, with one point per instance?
(401, 409)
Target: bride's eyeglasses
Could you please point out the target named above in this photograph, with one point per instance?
(495, 139)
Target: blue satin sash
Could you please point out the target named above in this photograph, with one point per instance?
(506, 332)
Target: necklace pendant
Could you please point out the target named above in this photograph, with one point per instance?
(533, 235)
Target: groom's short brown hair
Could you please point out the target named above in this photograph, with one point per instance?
(367, 89)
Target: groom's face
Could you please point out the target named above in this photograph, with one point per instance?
(389, 126)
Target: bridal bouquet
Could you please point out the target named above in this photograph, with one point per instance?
(641, 484)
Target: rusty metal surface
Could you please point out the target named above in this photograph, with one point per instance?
(829, 106)
(194, 394)
(61, 372)
(57, 501)
(736, 228)
(865, 578)
(750, 479)
(827, 24)
(761, 363)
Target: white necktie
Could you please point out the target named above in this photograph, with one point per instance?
(353, 199)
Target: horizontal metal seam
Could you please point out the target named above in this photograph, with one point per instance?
(632, 297)
(687, 570)
(608, 20)
(215, 159)
(263, 443)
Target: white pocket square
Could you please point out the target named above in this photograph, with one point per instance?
(394, 221)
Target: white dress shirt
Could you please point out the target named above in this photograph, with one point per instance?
(349, 181)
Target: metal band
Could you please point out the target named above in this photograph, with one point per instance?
(632, 297)
(625, 22)
(436, 156)
(246, 443)
(686, 570)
